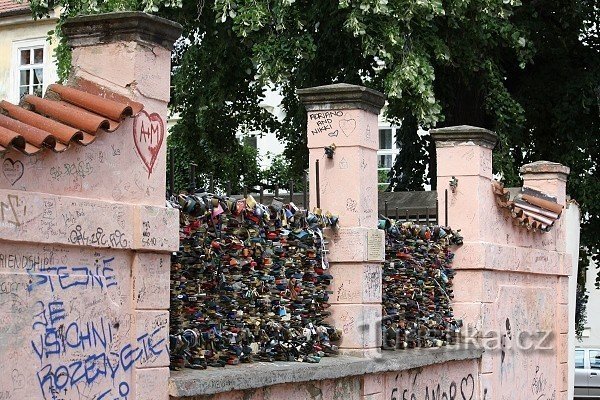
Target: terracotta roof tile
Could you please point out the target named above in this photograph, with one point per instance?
(529, 208)
(13, 7)
(65, 115)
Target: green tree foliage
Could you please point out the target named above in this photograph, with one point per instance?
(527, 71)
(216, 96)
(559, 91)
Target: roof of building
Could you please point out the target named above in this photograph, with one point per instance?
(529, 208)
(13, 7)
(66, 115)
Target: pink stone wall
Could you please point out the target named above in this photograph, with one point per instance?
(339, 389)
(511, 288)
(84, 250)
(455, 380)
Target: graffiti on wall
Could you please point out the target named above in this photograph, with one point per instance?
(540, 387)
(456, 380)
(12, 170)
(148, 136)
(66, 311)
(463, 389)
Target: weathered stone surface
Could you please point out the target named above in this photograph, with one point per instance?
(249, 376)
(516, 308)
(452, 135)
(545, 167)
(88, 30)
(53, 219)
(341, 96)
(547, 177)
(83, 233)
(344, 117)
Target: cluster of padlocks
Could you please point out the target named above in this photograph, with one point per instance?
(249, 283)
(417, 286)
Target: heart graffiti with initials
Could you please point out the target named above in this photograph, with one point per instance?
(12, 170)
(148, 136)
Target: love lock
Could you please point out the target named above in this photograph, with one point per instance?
(417, 286)
(246, 281)
(330, 150)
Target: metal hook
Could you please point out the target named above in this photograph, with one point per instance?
(453, 184)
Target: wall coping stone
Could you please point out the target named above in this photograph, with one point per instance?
(75, 221)
(464, 133)
(545, 167)
(90, 30)
(341, 96)
(191, 382)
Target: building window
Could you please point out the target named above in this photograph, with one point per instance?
(595, 359)
(579, 358)
(31, 71)
(251, 141)
(385, 161)
(386, 155)
(385, 139)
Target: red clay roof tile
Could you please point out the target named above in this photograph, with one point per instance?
(10, 138)
(528, 210)
(13, 7)
(107, 108)
(89, 123)
(65, 115)
(62, 132)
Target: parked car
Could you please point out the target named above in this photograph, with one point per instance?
(587, 373)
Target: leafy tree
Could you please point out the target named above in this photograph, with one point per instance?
(216, 96)
(559, 92)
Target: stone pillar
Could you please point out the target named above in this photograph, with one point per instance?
(130, 54)
(463, 152)
(86, 241)
(464, 156)
(511, 286)
(550, 178)
(345, 116)
(547, 177)
(572, 219)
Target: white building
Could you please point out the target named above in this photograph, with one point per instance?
(590, 336)
(27, 63)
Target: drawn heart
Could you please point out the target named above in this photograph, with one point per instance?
(347, 126)
(13, 170)
(148, 136)
(18, 379)
(467, 387)
(333, 134)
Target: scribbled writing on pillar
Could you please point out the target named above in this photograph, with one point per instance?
(148, 136)
(12, 210)
(55, 336)
(61, 277)
(79, 353)
(99, 237)
(324, 122)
